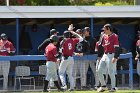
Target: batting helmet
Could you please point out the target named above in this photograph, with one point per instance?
(67, 34)
(54, 38)
(3, 36)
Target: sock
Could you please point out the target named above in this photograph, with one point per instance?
(46, 84)
(57, 85)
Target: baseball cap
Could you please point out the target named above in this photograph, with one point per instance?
(108, 26)
(54, 38)
(87, 29)
(52, 31)
(138, 33)
(79, 31)
(67, 34)
(3, 36)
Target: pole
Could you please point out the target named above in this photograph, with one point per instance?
(130, 73)
(91, 26)
(17, 36)
(7, 2)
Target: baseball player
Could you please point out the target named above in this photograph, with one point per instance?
(52, 55)
(82, 48)
(67, 61)
(6, 49)
(109, 59)
(89, 63)
(45, 43)
(99, 50)
(137, 47)
(137, 58)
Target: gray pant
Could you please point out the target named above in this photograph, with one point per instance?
(106, 62)
(91, 63)
(79, 70)
(4, 69)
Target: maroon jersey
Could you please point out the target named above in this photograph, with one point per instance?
(138, 43)
(69, 46)
(6, 47)
(51, 52)
(110, 42)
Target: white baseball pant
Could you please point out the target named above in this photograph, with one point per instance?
(66, 66)
(51, 71)
(106, 62)
(4, 68)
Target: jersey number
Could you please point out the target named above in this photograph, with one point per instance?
(69, 46)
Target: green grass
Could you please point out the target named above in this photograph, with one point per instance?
(119, 91)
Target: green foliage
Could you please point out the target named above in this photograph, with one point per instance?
(103, 1)
(120, 3)
(72, 2)
(103, 4)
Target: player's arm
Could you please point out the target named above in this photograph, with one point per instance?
(117, 48)
(42, 46)
(117, 52)
(11, 50)
(137, 56)
(56, 54)
(77, 35)
(137, 53)
(100, 51)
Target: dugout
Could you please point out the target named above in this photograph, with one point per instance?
(38, 20)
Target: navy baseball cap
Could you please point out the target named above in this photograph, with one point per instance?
(52, 31)
(54, 38)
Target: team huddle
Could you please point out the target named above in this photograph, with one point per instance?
(60, 50)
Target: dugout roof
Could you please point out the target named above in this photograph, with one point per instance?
(69, 11)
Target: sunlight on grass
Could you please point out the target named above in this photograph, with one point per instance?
(119, 91)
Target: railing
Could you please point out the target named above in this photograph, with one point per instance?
(89, 57)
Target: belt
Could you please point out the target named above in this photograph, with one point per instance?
(66, 57)
(108, 53)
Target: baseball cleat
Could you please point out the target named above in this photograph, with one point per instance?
(102, 89)
(61, 90)
(112, 90)
(84, 88)
(45, 90)
(64, 87)
(96, 87)
(71, 90)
